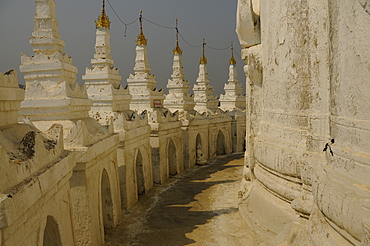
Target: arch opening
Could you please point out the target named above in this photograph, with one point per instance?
(172, 158)
(140, 183)
(200, 157)
(106, 201)
(220, 144)
(244, 141)
(51, 233)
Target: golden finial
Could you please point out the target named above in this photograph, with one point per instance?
(103, 20)
(141, 40)
(232, 60)
(203, 60)
(177, 50)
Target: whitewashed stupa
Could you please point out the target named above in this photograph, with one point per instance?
(205, 101)
(178, 98)
(142, 84)
(103, 79)
(233, 97)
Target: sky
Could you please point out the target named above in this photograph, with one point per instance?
(213, 20)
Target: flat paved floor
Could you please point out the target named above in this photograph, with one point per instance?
(199, 207)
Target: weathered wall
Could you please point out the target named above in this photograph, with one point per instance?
(34, 174)
(134, 157)
(197, 130)
(238, 130)
(219, 135)
(315, 60)
(165, 127)
(341, 185)
(90, 207)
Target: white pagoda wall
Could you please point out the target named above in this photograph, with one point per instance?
(134, 136)
(238, 131)
(163, 130)
(196, 127)
(313, 58)
(341, 184)
(86, 192)
(219, 123)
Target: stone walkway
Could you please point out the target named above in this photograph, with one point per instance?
(197, 208)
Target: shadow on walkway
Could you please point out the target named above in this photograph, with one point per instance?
(165, 215)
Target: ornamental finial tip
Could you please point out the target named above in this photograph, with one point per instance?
(177, 50)
(203, 59)
(141, 40)
(103, 20)
(232, 59)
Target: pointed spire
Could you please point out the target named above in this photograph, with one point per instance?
(232, 59)
(103, 20)
(177, 50)
(233, 97)
(141, 40)
(203, 60)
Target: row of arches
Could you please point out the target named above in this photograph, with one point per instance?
(51, 231)
(205, 150)
(220, 147)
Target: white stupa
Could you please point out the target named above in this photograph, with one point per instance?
(233, 97)
(142, 84)
(204, 99)
(103, 79)
(178, 98)
(52, 92)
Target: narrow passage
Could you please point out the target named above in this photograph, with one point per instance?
(199, 207)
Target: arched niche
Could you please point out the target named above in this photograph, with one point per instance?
(220, 144)
(172, 158)
(51, 233)
(200, 157)
(106, 201)
(244, 141)
(140, 182)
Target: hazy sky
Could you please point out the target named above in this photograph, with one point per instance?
(212, 19)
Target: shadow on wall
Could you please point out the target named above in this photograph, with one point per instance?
(220, 147)
(51, 233)
(106, 201)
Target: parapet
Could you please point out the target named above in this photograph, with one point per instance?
(162, 116)
(9, 79)
(25, 152)
(85, 132)
(129, 120)
(10, 98)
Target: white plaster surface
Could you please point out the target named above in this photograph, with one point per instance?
(306, 90)
(205, 101)
(178, 97)
(142, 84)
(234, 96)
